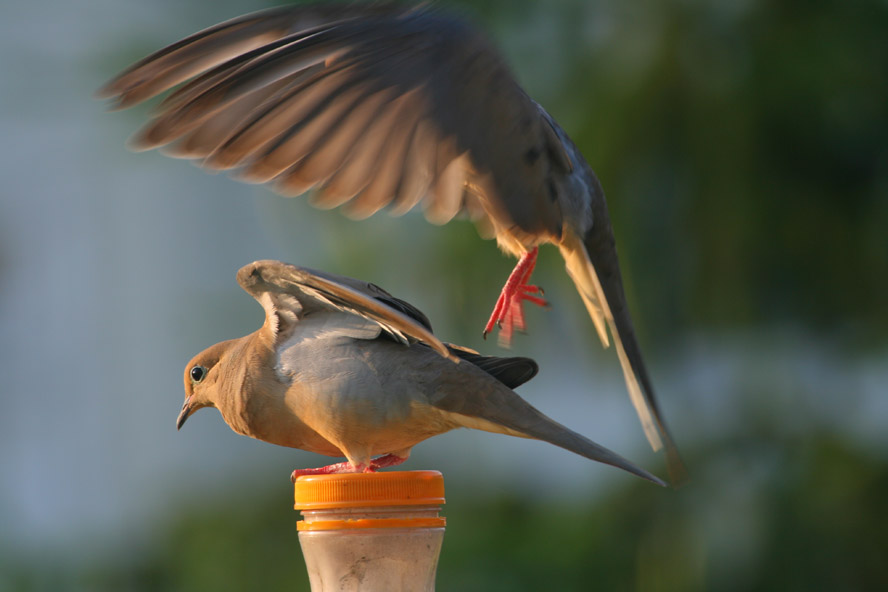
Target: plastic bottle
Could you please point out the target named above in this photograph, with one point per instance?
(372, 532)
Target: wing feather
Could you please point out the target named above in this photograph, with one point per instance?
(374, 181)
(288, 293)
(262, 91)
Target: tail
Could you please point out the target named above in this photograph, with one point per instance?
(474, 399)
(550, 431)
(503, 411)
(593, 266)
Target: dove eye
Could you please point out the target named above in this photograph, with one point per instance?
(198, 373)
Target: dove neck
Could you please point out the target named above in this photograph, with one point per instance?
(371, 531)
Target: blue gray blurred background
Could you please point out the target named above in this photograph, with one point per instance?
(743, 147)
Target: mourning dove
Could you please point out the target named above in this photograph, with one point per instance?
(342, 368)
(388, 106)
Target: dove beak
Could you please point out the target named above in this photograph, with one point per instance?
(183, 415)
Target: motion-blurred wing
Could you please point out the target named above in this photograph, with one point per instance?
(373, 106)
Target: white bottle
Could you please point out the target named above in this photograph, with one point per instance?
(371, 532)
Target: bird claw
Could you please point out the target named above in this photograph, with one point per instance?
(381, 462)
(508, 314)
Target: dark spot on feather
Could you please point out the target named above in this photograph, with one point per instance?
(532, 155)
(550, 187)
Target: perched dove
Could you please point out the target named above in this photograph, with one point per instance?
(387, 105)
(342, 368)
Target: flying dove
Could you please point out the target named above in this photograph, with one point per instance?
(389, 106)
(342, 368)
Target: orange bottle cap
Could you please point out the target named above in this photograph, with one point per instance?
(352, 490)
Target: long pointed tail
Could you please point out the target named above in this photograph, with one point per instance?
(554, 433)
(501, 410)
(493, 407)
(593, 266)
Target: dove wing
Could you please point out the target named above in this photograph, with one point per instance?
(373, 106)
(289, 293)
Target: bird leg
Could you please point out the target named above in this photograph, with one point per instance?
(381, 462)
(508, 314)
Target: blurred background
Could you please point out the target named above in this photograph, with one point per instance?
(743, 147)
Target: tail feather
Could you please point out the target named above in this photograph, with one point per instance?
(606, 304)
(550, 431)
(502, 411)
(583, 274)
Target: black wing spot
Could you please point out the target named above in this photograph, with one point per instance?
(532, 155)
(407, 309)
(550, 187)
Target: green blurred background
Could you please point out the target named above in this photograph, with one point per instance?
(743, 147)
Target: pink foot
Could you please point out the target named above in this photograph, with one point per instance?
(382, 462)
(508, 313)
(385, 461)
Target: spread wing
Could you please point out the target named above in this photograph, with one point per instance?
(289, 294)
(374, 106)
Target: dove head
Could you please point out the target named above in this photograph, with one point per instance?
(202, 381)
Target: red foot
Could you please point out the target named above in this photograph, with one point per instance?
(382, 462)
(508, 313)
